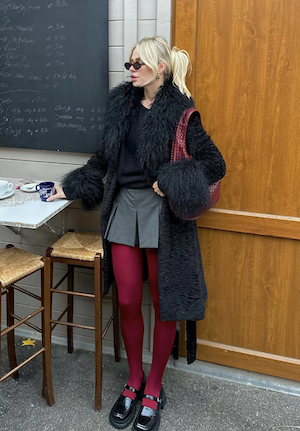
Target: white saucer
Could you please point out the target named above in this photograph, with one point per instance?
(9, 193)
(29, 188)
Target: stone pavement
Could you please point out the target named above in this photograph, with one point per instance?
(195, 402)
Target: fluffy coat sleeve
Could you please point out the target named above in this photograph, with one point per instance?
(186, 182)
(86, 182)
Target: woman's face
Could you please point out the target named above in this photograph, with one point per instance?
(141, 75)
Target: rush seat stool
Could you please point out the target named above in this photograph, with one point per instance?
(16, 264)
(84, 249)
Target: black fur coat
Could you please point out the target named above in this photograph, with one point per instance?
(182, 289)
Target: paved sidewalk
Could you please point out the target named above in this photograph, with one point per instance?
(194, 402)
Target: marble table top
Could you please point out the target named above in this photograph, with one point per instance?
(25, 209)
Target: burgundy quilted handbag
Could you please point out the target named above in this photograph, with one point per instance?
(179, 152)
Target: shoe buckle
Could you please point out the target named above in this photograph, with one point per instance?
(130, 388)
(151, 397)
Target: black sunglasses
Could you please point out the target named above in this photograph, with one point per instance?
(135, 65)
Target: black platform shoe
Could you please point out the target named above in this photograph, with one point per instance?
(123, 412)
(149, 419)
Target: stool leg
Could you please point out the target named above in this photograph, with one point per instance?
(0, 325)
(70, 300)
(98, 331)
(116, 325)
(10, 304)
(51, 286)
(46, 332)
(48, 254)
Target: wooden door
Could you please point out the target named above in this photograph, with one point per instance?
(246, 84)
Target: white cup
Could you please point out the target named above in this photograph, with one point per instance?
(5, 186)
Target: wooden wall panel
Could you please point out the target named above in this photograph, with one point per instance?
(254, 292)
(248, 91)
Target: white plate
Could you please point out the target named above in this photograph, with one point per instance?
(29, 188)
(9, 193)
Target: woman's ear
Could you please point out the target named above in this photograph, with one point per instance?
(161, 67)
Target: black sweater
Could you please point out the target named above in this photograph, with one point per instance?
(130, 173)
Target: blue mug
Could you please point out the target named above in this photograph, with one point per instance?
(45, 190)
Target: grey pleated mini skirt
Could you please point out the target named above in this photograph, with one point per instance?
(134, 218)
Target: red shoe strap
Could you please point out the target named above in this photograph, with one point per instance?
(151, 401)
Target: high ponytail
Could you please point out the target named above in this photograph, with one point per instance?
(180, 66)
(153, 50)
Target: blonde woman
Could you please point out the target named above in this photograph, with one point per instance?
(139, 229)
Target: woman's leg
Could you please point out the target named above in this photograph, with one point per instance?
(163, 338)
(128, 270)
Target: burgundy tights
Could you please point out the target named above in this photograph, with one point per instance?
(128, 270)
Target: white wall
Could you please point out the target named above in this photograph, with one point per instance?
(129, 21)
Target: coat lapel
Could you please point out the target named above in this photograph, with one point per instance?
(158, 129)
(122, 104)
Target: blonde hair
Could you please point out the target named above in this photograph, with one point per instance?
(154, 50)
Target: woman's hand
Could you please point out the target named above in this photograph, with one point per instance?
(157, 189)
(59, 194)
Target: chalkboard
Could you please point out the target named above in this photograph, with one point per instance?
(53, 73)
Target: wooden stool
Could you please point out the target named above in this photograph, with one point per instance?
(15, 264)
(84, 249)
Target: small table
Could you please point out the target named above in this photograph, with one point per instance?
(26, 210)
